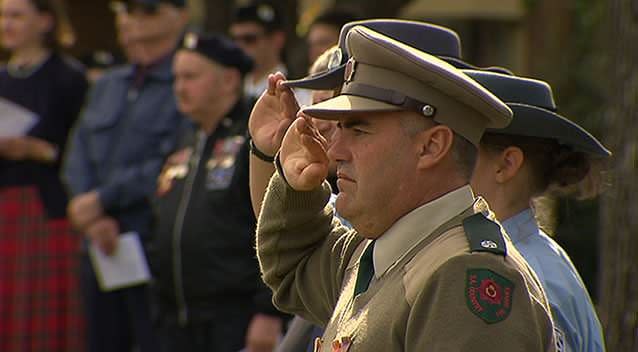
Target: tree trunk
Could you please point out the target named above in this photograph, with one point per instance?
(619, 243)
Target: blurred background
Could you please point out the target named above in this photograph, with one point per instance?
(586, 49)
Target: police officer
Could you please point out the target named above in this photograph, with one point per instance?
(208, 288)
(540, 150)
(424, 268)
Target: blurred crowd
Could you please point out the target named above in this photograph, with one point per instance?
(154, 142)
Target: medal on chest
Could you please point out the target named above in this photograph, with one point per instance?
(220, 167)
(342, 344)
(176, 167)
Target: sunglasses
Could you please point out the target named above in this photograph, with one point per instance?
(248, 38)
(120, 7)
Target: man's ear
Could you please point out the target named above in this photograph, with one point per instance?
(434, 144)
(509, 162)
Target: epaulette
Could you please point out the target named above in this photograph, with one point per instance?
(484, 235)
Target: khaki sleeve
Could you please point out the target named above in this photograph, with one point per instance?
(474, 302)
(303, 250)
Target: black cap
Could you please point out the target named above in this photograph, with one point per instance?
(430, 38)
(218, 49)
(262, 13)
(535, 114)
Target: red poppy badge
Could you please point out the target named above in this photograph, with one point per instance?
(489, 295)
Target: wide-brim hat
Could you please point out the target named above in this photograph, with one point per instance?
(383, 74)
(430, 38)
(535, 113)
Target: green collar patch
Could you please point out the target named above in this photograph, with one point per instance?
(488, 295)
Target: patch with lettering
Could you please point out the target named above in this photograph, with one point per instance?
(489, 295)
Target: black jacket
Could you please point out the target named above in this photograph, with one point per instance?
(203, 254)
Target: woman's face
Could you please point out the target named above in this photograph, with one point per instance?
(21, 25)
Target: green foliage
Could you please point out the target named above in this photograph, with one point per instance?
(580, 88)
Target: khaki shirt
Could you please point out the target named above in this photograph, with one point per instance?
(429, 293)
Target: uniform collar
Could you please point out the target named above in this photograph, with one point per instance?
(417, 225)
(521, 225)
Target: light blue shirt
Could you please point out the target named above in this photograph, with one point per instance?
(332, 201)
(572, 310)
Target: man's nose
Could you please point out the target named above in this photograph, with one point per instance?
(337, 150)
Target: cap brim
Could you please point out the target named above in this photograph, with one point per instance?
(327, 80)
(531, 121)
(333, 79)
(340, 105)
(462, 65)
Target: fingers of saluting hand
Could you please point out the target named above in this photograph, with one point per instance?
(309, 128)
(273, 78)
(313, 143)
(288, 101)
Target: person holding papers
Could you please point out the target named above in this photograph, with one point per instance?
(41, 92)
(129, 125)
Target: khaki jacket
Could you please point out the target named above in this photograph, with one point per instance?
(438, 295)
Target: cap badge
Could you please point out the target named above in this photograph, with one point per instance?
(348, 75)
(265, 13)
(335, 59)
(190, 41)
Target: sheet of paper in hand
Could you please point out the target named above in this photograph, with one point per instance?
(15, 120)
(127, 267)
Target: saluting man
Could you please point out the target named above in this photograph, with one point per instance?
(425, 268)
(208, 287)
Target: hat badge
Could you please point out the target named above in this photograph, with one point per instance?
(265, 13)
(190, 41)
(335, 59)
(348, 75)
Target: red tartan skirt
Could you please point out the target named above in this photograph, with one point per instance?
(40, 307)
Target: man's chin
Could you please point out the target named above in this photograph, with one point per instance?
(342, 204)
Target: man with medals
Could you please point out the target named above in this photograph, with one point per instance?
(208, 289)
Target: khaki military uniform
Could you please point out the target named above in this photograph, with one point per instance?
(431, 290)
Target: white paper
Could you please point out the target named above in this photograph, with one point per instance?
(126, 267)
(15, 120)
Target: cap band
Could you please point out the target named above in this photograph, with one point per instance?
(458, 116)
(389, 96)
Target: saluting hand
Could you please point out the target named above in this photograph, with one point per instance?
(303, 155)
(273, 113)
